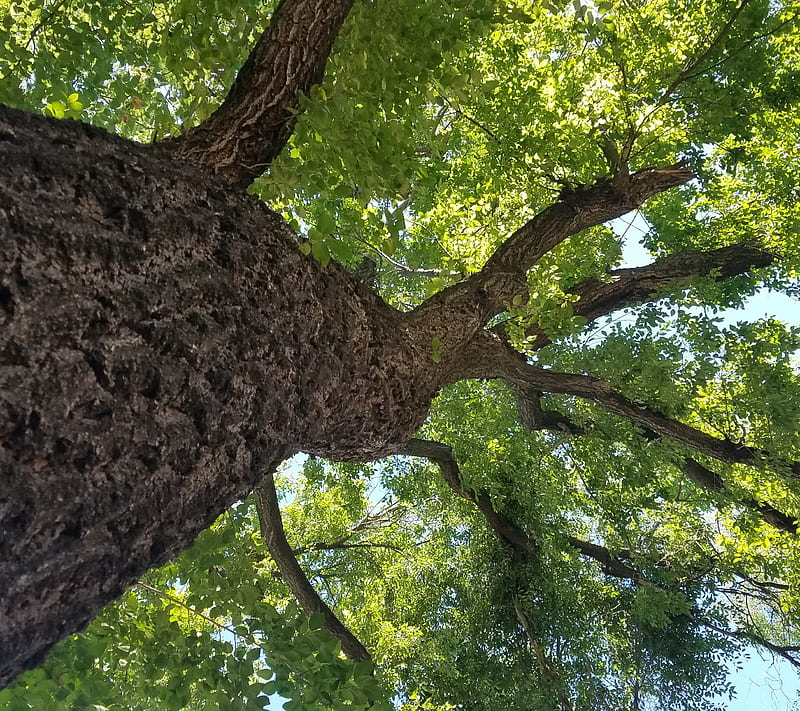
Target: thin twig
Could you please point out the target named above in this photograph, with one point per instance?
(182, 604)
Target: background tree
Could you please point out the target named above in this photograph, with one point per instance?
(599, 508)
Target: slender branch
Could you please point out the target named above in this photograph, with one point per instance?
(545, 667)
(744, 46)
(789, 653)
(182, 604)
(44, 18)
(470, 119)
(611, 564)
(340, 546)
(534, 417)
(269, 516)
(706, 479)
(442, 455)
(248, 131)
(690, 68)
(398, 265)
(506, 530)
(628, 287)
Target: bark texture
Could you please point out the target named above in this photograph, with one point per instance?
(162, 345)
(475, 300)
(627, 287)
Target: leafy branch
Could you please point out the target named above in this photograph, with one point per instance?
(251, 127)
(632, 286)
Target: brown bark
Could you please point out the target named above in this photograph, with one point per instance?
(506, 530)
(248, 131)
(534, 417)
(488, 356)
(706, 479)
(442, 455)
(269, 516)
(162, 345)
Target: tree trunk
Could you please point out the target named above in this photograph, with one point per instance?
(162, 344)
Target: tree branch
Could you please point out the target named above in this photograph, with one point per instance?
(790, 653)
(545, 668)
(628, 287)
(181, 603)
(507, 365)
(465, 307)
(611, 564)
(442, 455)
(269, 516)
(248, 131)
(534, 417)
(690, 68)
(506, 530)
(707, 479)
(342, 546)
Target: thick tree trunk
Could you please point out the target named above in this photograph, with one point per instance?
(162, 345)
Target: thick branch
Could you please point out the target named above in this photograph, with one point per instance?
(473, 301)
(269, 516)
(247, 132)
(611, 564)
(707, 479)
(628, 287)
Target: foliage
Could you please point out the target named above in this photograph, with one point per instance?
(428, 143)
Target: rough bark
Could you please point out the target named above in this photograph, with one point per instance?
(534, 417)
(269, 516)
(162, 345)
(488, 356)
(248, 131)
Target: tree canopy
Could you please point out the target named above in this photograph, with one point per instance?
(600, 509)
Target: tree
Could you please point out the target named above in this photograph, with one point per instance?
(590, 514)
